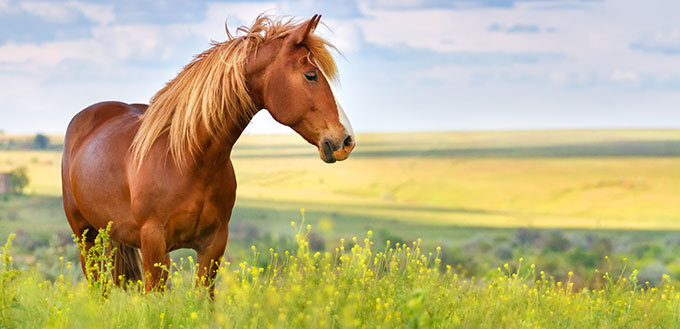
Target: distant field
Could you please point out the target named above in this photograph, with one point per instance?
(541, 179)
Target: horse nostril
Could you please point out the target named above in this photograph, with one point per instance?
(348, 141)
(327, 147)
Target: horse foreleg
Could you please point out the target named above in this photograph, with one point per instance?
(209, 259)
(154, 254)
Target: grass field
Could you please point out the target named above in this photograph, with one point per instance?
(568, 201)
(362, 286)
(545, 179)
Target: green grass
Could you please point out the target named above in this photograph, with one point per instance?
(357, 285)
(488, 198)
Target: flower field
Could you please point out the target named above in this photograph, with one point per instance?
(543, 229)
(357, 285)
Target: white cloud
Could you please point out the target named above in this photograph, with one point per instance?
(5, 6)
(394, 4)
(589, 50)
(666, 41)
(140, 41)
(46, 54)
(65, 12)
(96, 13)
(234, 14)
(344, 35)
(558, 78)
(594, 43)
(28, 68)
(448, 30)
(109, 45)
(603, 29)
(50, 11)
(620, 75)
(112, 44)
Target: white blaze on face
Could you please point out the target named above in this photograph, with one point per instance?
(343, 119)
(341, 113)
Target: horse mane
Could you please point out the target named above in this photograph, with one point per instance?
(212, 91)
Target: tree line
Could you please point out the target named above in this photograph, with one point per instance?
(37, 142)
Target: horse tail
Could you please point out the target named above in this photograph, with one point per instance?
(126, 264)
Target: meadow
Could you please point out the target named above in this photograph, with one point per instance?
(592, 214)
(362, 286)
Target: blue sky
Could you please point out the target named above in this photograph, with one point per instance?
(410, 65)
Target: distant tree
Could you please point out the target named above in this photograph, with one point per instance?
(18, 179)
(41, 141)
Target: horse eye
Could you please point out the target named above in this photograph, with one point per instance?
(311, 76)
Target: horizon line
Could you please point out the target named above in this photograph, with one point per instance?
(526, 129)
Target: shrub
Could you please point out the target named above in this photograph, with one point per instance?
(41, 142)
(18, 179)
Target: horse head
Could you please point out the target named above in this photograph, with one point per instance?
(298, 92)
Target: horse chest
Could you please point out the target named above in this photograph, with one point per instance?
(198, 225)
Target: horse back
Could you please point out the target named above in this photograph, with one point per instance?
(92, 117)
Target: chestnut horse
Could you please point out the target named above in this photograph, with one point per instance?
(162, 173)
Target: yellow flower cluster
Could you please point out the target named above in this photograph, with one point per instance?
(359, 284)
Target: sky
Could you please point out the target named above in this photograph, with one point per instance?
(406, 65)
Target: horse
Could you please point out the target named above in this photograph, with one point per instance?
(161, 173)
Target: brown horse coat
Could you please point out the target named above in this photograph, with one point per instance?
(165, 187)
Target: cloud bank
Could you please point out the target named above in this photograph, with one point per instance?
(407, 65)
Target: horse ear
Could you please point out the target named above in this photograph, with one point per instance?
(298, 35)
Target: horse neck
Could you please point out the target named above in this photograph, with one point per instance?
(218, 150)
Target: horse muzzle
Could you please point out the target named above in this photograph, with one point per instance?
(331, 150)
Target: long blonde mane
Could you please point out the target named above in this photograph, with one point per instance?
(212, 91)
